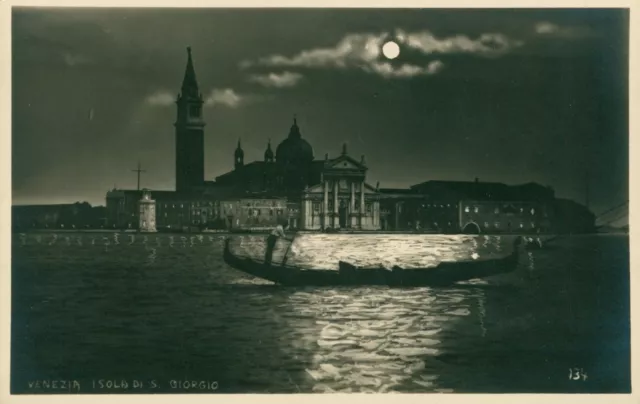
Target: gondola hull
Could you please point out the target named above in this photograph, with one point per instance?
(445, 273)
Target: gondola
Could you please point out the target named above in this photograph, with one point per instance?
(444, 274)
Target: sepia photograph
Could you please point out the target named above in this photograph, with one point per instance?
(319, 200)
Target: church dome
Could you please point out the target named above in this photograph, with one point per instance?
(294, 149)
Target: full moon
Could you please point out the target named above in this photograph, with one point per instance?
(391, 50)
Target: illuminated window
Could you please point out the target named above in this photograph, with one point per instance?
(466, 209)
(475, 209)
(533, 211)
(521, 210)
(521, 225)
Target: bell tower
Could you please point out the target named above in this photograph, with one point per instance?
(189, 132)
(238, 156)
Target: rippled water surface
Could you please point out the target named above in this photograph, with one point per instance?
(90, 307)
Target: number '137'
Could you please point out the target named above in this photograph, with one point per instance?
(577, 374)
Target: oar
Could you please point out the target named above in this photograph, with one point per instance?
(284, 259)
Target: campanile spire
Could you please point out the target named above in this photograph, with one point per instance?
(189, 82)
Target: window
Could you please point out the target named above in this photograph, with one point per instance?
(533, 225)
(181, 206)
(521, 225)
(486, 224)
(533, 211)
(466, 209)
(195, 110)
(368, 207)
(496, 225)
(521, 210)
(475, 209)
(496, 211)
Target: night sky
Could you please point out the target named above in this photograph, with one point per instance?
(504, 95)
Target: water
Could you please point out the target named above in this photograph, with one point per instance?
(161, 313)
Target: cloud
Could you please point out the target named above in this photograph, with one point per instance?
(284, 79)
(489, 44)
(160, 98)
(387, 70)
(227, 97)
(352, 49)
(550, 29)
(363, 51)
(435, 66)
(72, 60)
(546, 27)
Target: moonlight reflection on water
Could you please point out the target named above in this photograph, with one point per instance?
(375, 340)
(167, 307)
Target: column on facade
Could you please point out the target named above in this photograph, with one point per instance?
(325, 204)
(352, 202)
(336, 218)
(362, 210)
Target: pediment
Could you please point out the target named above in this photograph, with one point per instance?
(315, 188)
(344, 163)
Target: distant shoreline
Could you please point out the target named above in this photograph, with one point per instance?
(353, 232)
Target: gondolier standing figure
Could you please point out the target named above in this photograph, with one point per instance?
(272, 239)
